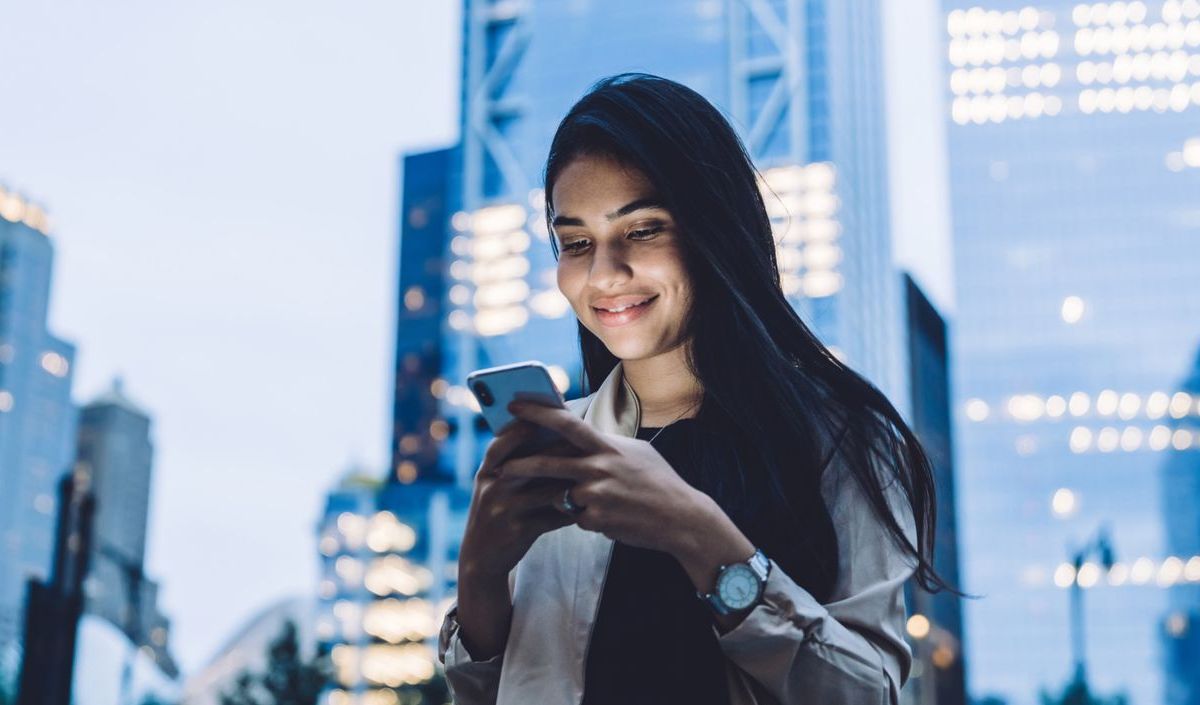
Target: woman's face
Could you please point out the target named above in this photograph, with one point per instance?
(619, 248)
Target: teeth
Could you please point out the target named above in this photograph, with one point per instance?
(618, 310)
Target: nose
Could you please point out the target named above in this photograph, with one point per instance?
(610, 267)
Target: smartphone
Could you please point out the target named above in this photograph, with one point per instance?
(495, 387)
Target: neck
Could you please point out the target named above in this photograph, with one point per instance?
(666, 389)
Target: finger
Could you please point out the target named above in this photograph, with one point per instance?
(505, 442)
(563, 468)
(546, 520)
(540, 492)
(562, 421)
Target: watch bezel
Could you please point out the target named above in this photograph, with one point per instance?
(732, 572)
(760, 568)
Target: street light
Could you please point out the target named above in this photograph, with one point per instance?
(1101, 546)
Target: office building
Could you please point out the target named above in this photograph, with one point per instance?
(1181, 514)
(935, 620)
(115, 450)
(389, 558)
(1074, 152)
(37, 418)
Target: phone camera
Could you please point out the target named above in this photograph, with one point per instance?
(484, 394)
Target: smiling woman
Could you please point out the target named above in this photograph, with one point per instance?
(732, 513)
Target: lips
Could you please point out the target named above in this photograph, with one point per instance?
(622, 302)
(633, 312)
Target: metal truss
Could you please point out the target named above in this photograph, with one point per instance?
(786, 107)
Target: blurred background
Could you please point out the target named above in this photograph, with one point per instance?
(250, 251)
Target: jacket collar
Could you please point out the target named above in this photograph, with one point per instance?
(615, 407)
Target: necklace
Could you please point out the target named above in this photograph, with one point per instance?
(693, 406)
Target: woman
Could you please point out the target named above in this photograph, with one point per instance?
(733, 513)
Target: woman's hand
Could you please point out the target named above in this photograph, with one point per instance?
(629, 492)
(508, 514)
(506, 517)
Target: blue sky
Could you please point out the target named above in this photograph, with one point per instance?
(222, 181)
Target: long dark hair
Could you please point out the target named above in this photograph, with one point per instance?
(772, 390)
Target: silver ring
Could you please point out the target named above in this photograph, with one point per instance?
(568, 505)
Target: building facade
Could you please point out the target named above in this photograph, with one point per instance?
(389, 558)
(115, 450)
(1181, 512)
(1074, 150)
(37, 418)
(935, 626)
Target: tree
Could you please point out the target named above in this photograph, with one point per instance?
(288, 680)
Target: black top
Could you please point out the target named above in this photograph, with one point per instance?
(653, 639)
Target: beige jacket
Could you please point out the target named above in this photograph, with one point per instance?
(789, 649)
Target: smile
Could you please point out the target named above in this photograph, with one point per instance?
(625, 314)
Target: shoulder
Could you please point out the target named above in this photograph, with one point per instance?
(856, 458)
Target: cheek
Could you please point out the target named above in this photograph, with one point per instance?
(568, 280)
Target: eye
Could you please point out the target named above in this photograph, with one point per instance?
(573, 246)
(645, 233)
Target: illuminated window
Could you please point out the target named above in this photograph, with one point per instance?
(1072, 309)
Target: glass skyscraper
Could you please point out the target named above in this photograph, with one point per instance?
(1074, 145)
(37, 419)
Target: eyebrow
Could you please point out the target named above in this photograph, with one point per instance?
(626, 209)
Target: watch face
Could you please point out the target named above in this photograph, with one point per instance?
(738, 586)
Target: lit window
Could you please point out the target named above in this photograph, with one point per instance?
(1107, 439)
(1063, 503)
(977, 409)
(1089, 573)
(1181, 403)
(414, 298)
(1128, 407)
(1072, 309)
(1141, 571)
(1106, 402)
(1118, 574)
(1064, 575)
(1078, 404)
(1131, 438)
(1081, 439)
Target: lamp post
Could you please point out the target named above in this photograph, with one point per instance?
(1100, 546)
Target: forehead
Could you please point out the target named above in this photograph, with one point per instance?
(590, 184)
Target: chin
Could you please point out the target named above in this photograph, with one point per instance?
(628, 349)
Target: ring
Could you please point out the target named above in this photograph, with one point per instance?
(568, 505)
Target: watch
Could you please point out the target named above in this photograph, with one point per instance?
(739, 585)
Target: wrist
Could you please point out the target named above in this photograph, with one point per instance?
(707, 541)
(475, 573)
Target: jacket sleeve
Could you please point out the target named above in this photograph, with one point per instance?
(851, 649)
(471, 682)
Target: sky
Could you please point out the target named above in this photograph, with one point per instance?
(222, 180)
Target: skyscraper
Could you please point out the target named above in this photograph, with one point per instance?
(935, 621)
(801, 81)
(115, 450)
(1181, 512)
(389, 553)
(1075, 167)
(427, 194)
(37, 419)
